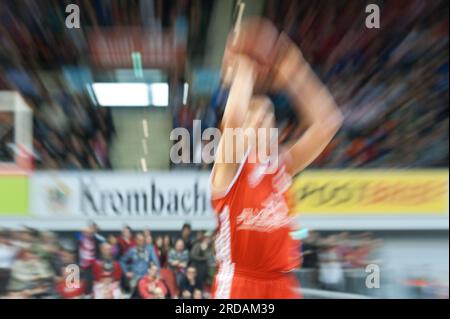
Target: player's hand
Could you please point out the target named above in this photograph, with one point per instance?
(255, 40)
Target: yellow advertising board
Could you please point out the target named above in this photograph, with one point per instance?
(371, 192)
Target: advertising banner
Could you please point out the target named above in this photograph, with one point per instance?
(371, 192)
(13, 195)
(358, 199)
(121, 195)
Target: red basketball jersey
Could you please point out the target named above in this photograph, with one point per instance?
(254, 224)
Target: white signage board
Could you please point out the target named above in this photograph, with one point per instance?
(157, 200)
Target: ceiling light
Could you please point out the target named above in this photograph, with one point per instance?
(121, 94)
(159, 93)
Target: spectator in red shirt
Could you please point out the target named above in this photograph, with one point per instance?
(152, 286)
(73, 291)
(107, 274)
(68, 285)
(113, 241)
(88, 247)
(126, 240)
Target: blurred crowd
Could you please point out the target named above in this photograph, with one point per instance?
(391, 83)
(140, 264)
(342, 262)
(73, 137)
(328, 258)
(53, 66)
(132, 264)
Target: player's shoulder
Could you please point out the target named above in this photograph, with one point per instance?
(232, 174)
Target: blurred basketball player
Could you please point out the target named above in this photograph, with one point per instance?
(253, 245)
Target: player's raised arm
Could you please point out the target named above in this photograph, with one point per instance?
(242, 81)
(242, 75)
(314, 104)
